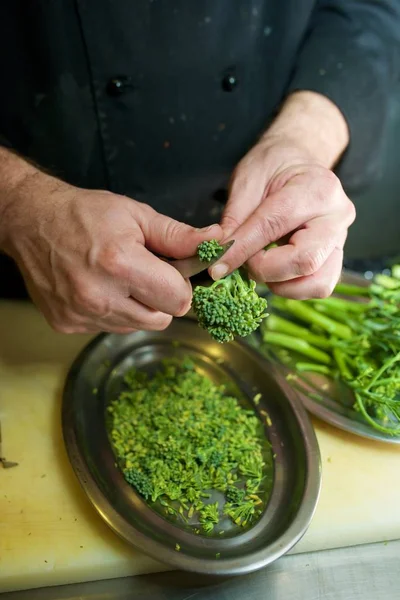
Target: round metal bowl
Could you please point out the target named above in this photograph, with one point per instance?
(96, 378)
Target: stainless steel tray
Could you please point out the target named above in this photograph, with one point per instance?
(100, 368)
(332, 401)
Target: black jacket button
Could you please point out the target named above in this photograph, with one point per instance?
(229, 82)
(118, 85)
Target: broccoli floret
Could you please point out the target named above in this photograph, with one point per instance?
(206, 251)
(234, 495)
(229, 307)
(140, 481)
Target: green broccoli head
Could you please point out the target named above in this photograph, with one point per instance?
(230, 307)
(140, 481)
(206, 251)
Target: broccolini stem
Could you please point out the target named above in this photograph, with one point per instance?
(340, 359)
(389, 283)
(396, 271)
(344, 305)
(303, 367)
(281, 325)
(386, 365)
(386, 380)
(351, 290)
(305, 313)
(371, 421)
(333, 313)
(298, 345)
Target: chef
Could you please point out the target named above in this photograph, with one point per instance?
(135, 129)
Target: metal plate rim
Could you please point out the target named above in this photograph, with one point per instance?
(221, 567)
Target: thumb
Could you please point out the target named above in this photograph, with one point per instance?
(173, 239)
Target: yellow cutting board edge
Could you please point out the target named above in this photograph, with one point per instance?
(49, 532)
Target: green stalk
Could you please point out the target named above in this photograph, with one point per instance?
(389, 283)
(305, 313)
(298, 345)
(387, 380)
(383, 368)
(396, 271)
(304, 367)
(337, 315)
(347, 289)
(371, 421)
(340, 359)
(344, 305)
(281, 325)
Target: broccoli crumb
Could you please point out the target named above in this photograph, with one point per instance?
(257, 399)
(178, 437)
(267, 417)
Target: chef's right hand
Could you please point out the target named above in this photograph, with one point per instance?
(86, 257)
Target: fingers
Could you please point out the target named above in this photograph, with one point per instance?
(158, 285)
(246, 193)
(282, 214)
(308, 249)
(318, 285)
(171, 238)
(303, 200)
(125, 315)
(129, 314)
(135, 272)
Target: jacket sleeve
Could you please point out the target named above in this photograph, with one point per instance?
(351, 54)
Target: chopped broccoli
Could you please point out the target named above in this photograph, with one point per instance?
(206, 251)
(179, 437)
(140, 481)
(229, 307)
(235, 495)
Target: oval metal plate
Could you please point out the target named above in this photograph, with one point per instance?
(335, 402)
(95, 379)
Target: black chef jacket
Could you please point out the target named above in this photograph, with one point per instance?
(159, 99)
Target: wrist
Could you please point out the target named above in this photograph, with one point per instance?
(310, 124)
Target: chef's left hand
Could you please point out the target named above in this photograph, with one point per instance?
(282, 188)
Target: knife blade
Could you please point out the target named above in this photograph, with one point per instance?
(188, 267)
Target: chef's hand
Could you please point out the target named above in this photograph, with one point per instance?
(86, 257)
(284, 187)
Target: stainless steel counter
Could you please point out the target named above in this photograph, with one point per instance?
(370, 572)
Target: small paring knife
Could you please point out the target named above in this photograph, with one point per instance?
(188, 267)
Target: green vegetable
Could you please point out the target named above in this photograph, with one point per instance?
(206, 251)
(281, 325)
(230, 307)
(306, 313)
(296, 344)
(303, 367)
(359, 342)
(179, 438)
(396, 271)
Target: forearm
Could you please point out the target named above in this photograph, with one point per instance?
(17, 178)
(312, 123)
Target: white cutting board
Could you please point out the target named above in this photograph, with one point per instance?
(50, 534)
